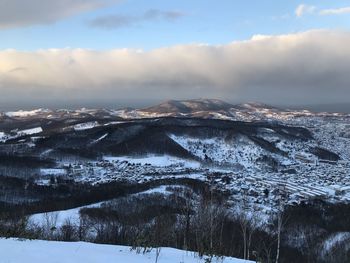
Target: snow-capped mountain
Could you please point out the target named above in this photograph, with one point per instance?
(174, 107)
(200, 108)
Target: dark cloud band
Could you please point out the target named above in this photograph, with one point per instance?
(19, 13)
(309, 67)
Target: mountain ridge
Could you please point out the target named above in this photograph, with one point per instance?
(194, 108)
(187, 106)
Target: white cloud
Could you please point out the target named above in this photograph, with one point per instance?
(336, 11)
(309, 67)
(303, 9)
(20, 13)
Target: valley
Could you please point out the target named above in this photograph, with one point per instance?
(255, 160)
(254, 150)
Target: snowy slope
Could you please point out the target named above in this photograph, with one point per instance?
(85, 126)
(2, 137)
(13, 251)
(238, 150)
(15, 133)
(30, 131)
(59, 218)
(23, 114)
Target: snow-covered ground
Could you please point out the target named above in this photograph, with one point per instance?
(2, 136)
(158, 161)
(30, 131)
(52, 171)
(15, 251)
(59, 218)
(23, 114)
(100, 138)
(85, 126)
(17, 133)
(160, 190)
(239, 150)
(336, 239)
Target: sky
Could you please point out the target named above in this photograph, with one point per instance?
(114, 53)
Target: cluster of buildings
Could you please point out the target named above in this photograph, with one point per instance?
(105, 171)
(307, 178)
(324, 181)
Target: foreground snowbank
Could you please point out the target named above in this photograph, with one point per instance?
(14, 251)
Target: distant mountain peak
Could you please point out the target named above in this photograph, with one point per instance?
(254, 105)
(189, 106)
(24, 113)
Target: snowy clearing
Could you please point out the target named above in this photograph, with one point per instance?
(59, 218)
(15, 251)
(52, 171)
(85, 126)
(163, 189)
(2, 137)
(30, 131)
(158, 161)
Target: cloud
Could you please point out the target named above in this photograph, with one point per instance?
(117, 21)
(302, 10)
(19, 13)
(308, 67)
(17, 70)
(113, 21)
(159, 14)
(336, 11)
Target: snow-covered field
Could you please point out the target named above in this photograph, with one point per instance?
(52, 171)
(85, 126)
(30, 131)
(59, 218)
(158, 161)
(15, 251)
(2, 137)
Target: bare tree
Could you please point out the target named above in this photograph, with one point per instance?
(244, 221)
(187, 214)
(279, 230)
(252, 226)
(280, 218)
(50, 224)
(68, 230)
